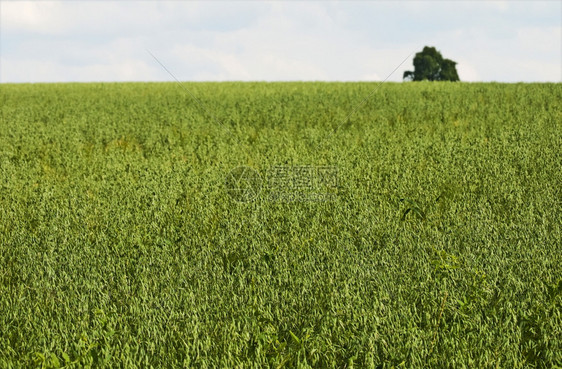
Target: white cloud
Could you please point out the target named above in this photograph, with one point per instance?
(467, 72)
(39, 17)
(371, 77)
(502, 6)
(85, 41)
(47, 71)
(533, 70)
(540, 39)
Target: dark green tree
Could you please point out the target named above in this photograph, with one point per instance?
(430, 65)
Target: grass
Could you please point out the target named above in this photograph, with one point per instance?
(120, 245)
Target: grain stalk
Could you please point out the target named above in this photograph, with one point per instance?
(434, 341)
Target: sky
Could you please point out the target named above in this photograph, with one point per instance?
(83, 41)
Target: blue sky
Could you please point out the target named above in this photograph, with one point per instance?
(62, 41)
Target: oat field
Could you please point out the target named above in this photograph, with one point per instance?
(281, 225)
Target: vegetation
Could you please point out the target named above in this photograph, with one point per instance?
(121, 247)
(430, 65)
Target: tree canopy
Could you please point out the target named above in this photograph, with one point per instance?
(430, 65)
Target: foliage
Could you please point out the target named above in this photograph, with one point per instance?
(430, 65)
(119, 246)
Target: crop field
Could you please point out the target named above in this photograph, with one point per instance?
(252, 225)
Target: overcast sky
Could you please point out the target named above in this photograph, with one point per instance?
(59, 41)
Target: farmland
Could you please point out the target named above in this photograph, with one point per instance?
(122, 243)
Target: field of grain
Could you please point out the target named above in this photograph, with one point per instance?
(122, 243)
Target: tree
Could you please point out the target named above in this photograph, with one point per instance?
(430, 65)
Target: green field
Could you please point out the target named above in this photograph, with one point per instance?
(122, 244)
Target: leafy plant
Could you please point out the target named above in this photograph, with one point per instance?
(121, 245)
